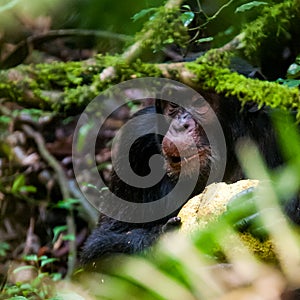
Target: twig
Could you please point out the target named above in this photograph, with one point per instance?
(220, 10)
(32, 42)
(90, 212)
(134, 50)
(208, 19)
(235, 44)
(78, 32)
(63, 183)
(30, 237)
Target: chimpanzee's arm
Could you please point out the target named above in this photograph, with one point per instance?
(112, 236)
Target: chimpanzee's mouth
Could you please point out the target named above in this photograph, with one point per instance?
(176, 161)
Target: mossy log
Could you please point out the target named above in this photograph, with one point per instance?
(71, 86)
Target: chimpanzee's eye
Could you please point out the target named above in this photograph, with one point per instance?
(173, 105)
(171, 109)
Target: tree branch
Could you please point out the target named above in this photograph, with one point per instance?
(63, 183)
(134, 51)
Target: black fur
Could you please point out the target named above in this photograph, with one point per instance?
(112, 236)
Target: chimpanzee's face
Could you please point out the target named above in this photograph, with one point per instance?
(186, 140)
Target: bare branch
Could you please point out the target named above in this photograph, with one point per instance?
(63, 183)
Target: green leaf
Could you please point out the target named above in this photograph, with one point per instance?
(8, 5)
(83, 132)
(293, 71)
(143, 13)
(289, 82)
(169, 41)
(292, 83)
(89, 185)
(288, 134)
(56, 276)
(57, 231)
(28, 189)
(31, 257)
(48, 261)
(31, 113)
(4, 247)
(42, 275)
(187, 18)
(205, 40)
(69, 237)
(67, 203)
(18, 183)
(5, 119)
(43, 257)
(23, 268)
(249, 5)
(187, 7)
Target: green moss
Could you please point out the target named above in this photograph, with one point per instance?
(58, 74)
(80, 96)
(72, 85)
(229, 83)
(43, 84)
(214, 57)
(264, 250)
(261, 249)
(10, 91)
(137, 69)
(10, 86)
(68, 86)
(166, 28)
(275, 23)
(212, 244)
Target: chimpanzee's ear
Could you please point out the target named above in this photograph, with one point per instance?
(243, 67)
(256, 73)
(252, 107)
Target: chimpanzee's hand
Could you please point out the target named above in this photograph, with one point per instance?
(172, 223)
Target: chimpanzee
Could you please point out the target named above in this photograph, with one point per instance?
(112, 236)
